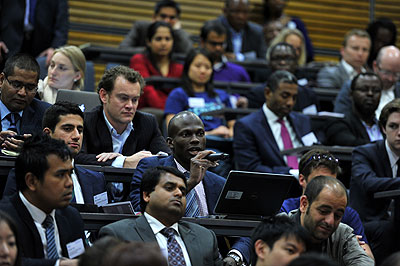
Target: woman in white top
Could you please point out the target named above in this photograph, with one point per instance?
(66, 71)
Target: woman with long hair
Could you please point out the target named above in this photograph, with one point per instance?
(156, 61)
(9, 246)
(198, 95)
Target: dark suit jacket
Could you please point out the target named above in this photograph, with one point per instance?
(332, 77)
(200, 242)
(213, 183)
(145, 136)
(31, 121)
(253, 38)
(343, 102)
(346, 132)
(51, 25)
(254, 144)
(69, 223)
(92, 183)
(371, 172)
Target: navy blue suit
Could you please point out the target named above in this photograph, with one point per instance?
(92, 183)
(254, 144)
(69, 223)
(31, 121)
(213, 183)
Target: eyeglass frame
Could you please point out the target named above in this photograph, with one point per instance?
(388, 72)
(27, 87)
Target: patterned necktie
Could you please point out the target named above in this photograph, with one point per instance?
(175, 254)
(48, 224)
(192, 202)
(287, 144)
(13, 118)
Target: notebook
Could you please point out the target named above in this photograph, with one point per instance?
(253, 195)
(85, 99)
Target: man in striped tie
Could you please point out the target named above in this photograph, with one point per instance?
(186, 138)
(163, 199)
(51, 231)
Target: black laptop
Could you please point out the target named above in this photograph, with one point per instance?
(253, 195)
(85, 99)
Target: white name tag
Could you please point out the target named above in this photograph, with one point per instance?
(100, 199)
(310, 110)
(195, 102)
(309, 139)
(75, 248)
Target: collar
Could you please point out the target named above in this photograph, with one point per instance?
(393, 158)
(37, 214)
(112, 130)
(4, 111)
(271, 116)
(350, 69)
(220, 65)
(157, 226)
(180, 167)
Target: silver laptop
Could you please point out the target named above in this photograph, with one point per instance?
(253, 195)
(85, 99)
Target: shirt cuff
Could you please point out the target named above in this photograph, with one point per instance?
(237, 252)
(295, 173)
(119, 161)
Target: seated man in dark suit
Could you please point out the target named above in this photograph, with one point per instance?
(64, 121)
(245, 39)
(20, 112)
(115, 133)
(187, 140)
(354, 53)
(375, 169)
(163, 199)
(282, 56)
(359, 125)
(48, 228)
(261, 136)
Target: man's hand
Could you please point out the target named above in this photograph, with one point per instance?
(229, 261)
(365, 246)
(242, 102)
(48, 53)
(10, 143)
(3, 50)
(133, 160)
(198, 168)
(105, 156)
(68, 262)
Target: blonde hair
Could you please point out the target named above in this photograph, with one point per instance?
(78, 61)
(281, 37)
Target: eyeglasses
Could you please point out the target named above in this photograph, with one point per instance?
(368, 89)
(165, 16)
(320, 157)
(388, 72)
(18, 85)
(214, 44)
(284, 58)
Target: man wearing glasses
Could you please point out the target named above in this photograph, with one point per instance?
(213, 39)
(387, 67)
(167, 11)
(20, 112)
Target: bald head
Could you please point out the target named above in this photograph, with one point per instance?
(319, 183)
(181, 119)
(387, 65)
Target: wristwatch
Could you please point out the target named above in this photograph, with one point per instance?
(236, 257)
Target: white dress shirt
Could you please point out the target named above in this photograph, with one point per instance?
(77, 187)
(393, 158)
(350, 69)
(199, 189)
(38, 217)
(386, 96)
(157, 226)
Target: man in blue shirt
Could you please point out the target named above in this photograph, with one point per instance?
(318, 162)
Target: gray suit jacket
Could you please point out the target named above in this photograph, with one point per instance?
(332, 77)
(201, 243)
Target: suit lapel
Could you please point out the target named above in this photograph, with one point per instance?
(144, 230)
(63, 232)
(86, 186)
(210, 191)
(293, 123)
(27, 120)
(27, 219)
(192, 246)
(103, 133)
(130, 143)
(384, 158)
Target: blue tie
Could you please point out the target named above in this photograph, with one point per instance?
(192, 202)
(175, 254)
(48, 224)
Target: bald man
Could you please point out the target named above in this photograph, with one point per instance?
(387, 67)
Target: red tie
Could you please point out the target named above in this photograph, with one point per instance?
(287, 144)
